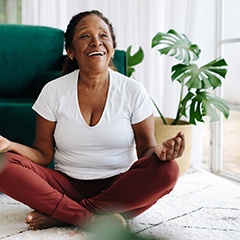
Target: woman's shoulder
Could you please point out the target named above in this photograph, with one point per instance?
(122, 81)
(62, 84)
(67, 79)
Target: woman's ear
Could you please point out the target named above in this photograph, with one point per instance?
(70, 53)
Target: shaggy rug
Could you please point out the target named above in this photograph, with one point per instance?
(201, 206)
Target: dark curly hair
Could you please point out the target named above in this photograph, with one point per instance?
(71, 65)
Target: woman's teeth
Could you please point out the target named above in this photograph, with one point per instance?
(96, 53)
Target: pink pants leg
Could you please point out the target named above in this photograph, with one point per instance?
(75, 201)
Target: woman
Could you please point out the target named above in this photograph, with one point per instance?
(98, 126)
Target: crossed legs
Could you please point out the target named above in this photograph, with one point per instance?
(59, 199)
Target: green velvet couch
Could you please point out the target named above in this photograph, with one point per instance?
(30, 56)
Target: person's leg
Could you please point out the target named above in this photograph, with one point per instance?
(45, 190)
(135, 191)
(48, 191)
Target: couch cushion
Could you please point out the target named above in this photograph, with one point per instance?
(24, 52)
(17, 120)
(119, 61)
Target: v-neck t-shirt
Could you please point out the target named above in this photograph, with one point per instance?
(105, 149)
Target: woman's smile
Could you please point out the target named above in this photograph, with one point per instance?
(96, 54)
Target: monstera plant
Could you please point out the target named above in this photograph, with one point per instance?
(197, 100)
(196, 97)
(133, 60)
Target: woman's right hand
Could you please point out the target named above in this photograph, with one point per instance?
(42, 150)
(5, 144)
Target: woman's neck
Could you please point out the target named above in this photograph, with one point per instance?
(93, 81)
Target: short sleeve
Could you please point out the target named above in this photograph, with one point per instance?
(142, 106)
(44, 105)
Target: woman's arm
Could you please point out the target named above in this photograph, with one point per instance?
(146, 144)
(43, 146)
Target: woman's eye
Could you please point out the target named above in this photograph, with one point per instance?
(84, 36)
(104, 35)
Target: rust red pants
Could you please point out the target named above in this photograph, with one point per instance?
(75, 201)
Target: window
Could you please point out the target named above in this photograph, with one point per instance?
(224, 150)
(10, 11)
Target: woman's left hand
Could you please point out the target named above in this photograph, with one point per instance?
(171, 148)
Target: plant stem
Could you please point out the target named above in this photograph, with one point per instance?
(159, 112)
(179, 111)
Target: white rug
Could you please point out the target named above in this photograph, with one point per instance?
(201, 206)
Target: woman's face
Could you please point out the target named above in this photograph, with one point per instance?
(92, 44)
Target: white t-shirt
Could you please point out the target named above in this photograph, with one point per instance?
(106, 149)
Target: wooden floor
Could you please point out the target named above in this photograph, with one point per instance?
(231, 144)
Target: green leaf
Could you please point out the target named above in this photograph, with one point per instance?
(215, 71)
(189, 74)
(130, 71)
(133, 60)
(206, 104)
(176, 45)
(207, 76)
(182, 107)
(195, 111)
(136, 58)
(184, 102)
(218, 103)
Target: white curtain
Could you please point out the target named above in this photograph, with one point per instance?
(135, 23)
(10, 11)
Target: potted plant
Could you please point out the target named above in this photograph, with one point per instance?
(196, 98)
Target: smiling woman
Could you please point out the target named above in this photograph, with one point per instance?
(98, 126)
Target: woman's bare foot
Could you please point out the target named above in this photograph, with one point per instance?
(36, 221)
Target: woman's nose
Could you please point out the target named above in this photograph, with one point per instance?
(96, 42)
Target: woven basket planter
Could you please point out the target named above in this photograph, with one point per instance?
(164, 132)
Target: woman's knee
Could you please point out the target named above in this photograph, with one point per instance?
(11, 164)
(163, 171)
(170, 171)
(5, 160)
(13, 158)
